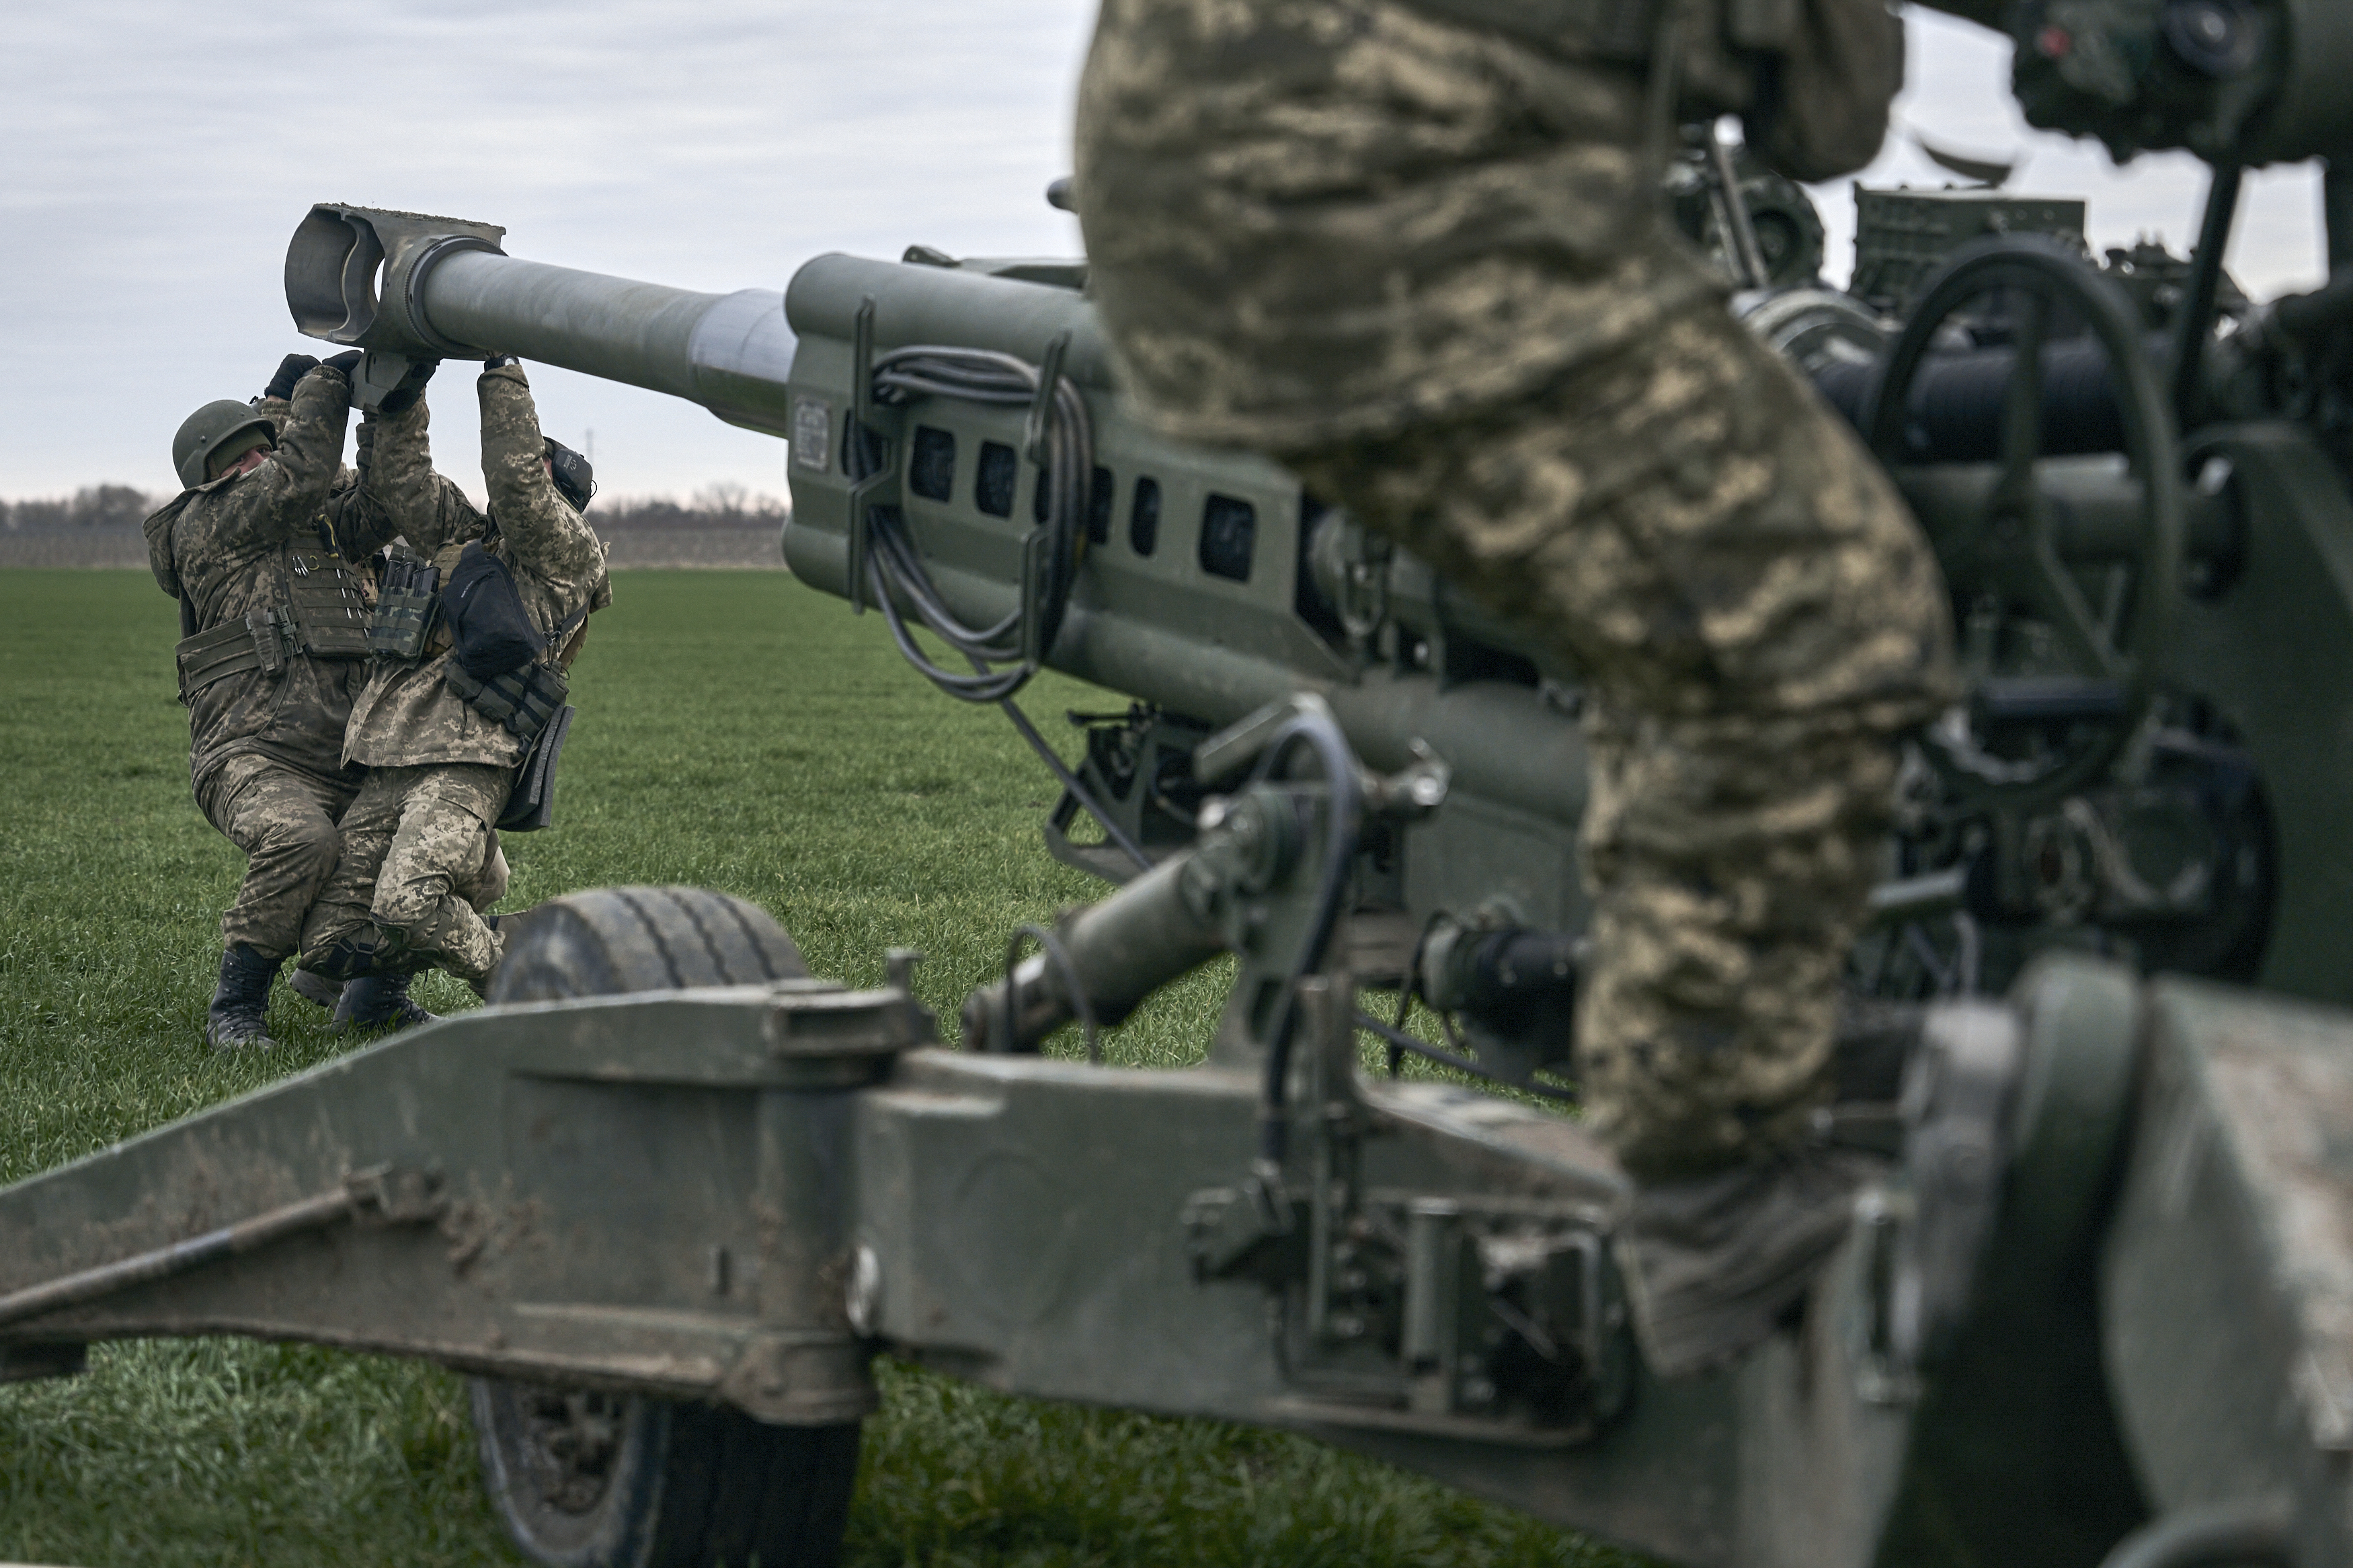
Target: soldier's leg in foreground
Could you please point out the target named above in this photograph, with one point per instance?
(1758, 618)
(285, 822)
(1731, 864)
(340, 940)
(442, 843)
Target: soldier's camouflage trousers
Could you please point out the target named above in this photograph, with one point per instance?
(1759, 617)
(416, 844)
(285, 821)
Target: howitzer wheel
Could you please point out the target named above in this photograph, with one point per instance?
(587, 1480)
(2010, 559)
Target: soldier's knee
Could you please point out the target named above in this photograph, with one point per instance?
(488, 884)
(406, 905)
(306, 840)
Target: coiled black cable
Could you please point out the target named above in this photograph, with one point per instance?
(1317, 730)
(895, 574)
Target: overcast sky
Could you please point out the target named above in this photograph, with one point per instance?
(159, 154)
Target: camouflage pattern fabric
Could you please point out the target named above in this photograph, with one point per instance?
(408, 717)
(1756, 617)
(221, 546)
(1425, 266)
(1312, 219)
(352, 523)
(285, 820)
(415, 842)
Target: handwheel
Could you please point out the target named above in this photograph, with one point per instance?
(2011, 556)
(588, 1479)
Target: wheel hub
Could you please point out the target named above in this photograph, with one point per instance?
(571, 1436)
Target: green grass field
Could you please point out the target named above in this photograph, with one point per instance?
(736, 730)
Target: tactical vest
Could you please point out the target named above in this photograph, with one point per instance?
(407, 628)
(319, 609)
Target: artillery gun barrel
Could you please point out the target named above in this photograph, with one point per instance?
(1167, 629)
(642, 333)
(408, 287)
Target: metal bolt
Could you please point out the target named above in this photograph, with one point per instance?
(862, 1299)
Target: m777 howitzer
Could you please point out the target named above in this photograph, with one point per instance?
(2099, 1306)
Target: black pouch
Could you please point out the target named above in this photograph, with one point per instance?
(487, 621)
(522, 699)
(531, 801)
(407, 605)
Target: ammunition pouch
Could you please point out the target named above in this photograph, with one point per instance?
(408, 605)
(324, 618)
(522, 700)
(330, 619)
(531, 801)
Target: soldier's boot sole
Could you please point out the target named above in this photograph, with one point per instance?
(239, 1033)
(315, 988)
(1715, 1264)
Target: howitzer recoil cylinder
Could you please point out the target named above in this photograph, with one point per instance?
(407, 287)
(1119, 952)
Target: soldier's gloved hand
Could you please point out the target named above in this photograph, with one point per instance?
(348, 362)
(496, 362)
(290, 369)
(401, 398)
(364, 444)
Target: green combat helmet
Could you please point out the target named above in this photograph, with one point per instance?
(222, 430)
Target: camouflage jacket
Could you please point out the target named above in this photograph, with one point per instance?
(1309, 221)
(408, 717)
(245, 555)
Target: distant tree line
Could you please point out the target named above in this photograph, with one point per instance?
(725, 505)
(121, 507)
(94, 506)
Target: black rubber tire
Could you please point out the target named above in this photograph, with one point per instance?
(683, 1485)
(612, 940)
(671, 1484)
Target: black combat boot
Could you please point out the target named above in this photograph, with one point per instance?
(315, 988)
(236, 1020)
(378, 1002)
(1713, 1264)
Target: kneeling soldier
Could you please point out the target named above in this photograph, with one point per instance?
(273, 637)
(473, 651)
